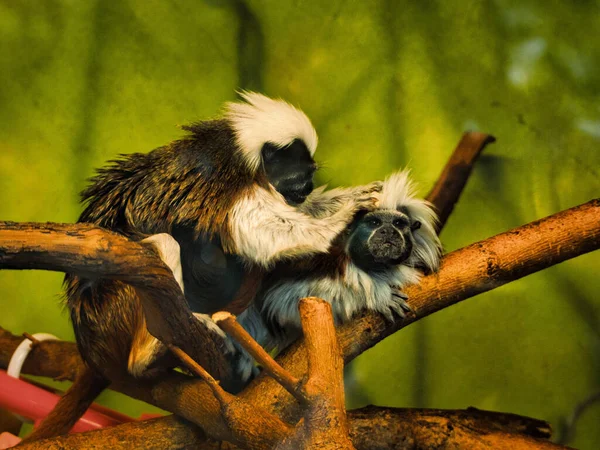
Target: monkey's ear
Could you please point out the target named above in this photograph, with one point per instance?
(415, 225)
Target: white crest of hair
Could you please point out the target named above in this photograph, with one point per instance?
(399, 192)
(260, 119)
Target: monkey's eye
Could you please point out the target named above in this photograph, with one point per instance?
(415, 225)
(373, 222)
(400, 222)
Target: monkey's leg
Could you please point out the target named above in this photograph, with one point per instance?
(71, 406)
(169, 251)
(146, 349)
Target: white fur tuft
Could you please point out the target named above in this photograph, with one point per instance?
(261, 119)
(399, 192)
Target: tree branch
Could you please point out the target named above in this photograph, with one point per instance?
(370, 427)
(229, 324)
(451, 182)
(54, 359)
(436, 429)
(465, 273)
(89, 251)
(324, 424)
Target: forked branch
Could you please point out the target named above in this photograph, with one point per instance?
(90, 251)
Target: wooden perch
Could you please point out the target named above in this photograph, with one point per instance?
(236, 412)
(370, 428)
(89, 251)
(386, 427)
(403, 428)
(464, 273)
(451, 182)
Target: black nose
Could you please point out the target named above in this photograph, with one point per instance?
(388, 246)
(389, 234)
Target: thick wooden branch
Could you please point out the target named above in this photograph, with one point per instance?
(324, 424)
(478, 268)
(451, 182)
(54, 359)
(89, 251)
(169, 432)
(435, 429)
(198, 397)
(465, 273)
(370, 427)
(190, 397)
(235, 411)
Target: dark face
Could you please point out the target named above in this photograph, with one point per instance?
(381, 239)
(290, 170)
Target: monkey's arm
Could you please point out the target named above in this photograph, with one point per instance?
(266, 230)
(323, 203)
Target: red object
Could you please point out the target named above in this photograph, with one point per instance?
(26, 400)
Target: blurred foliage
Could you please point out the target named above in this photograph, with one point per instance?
(387, 84)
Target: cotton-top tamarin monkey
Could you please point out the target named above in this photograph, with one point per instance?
(365, 269)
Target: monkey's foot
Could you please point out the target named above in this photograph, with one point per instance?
(398, 306)
(213, 327)
(169, 251)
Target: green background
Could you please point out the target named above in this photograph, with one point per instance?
(386, 84)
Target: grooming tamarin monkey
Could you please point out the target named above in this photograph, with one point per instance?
(228, 193)
(379, 253)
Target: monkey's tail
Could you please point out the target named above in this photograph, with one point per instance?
(71, 406)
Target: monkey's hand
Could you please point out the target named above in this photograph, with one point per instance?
(397, 305)
(361, 198)
(367, 197)
(368, 189)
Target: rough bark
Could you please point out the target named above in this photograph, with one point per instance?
(371, 428)
(324, 423)
(230, 325)
(170, 432)
(53, 359)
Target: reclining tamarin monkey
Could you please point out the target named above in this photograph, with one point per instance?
(378, 254)
(229, 195)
